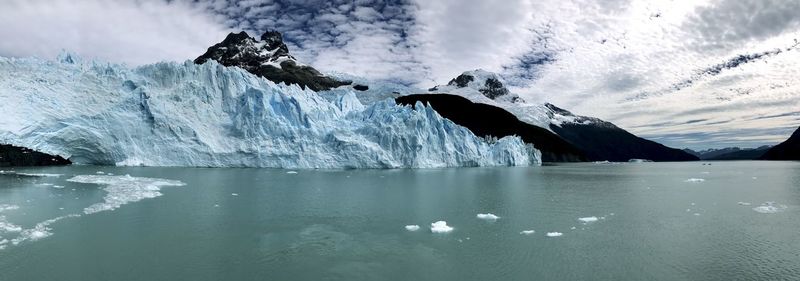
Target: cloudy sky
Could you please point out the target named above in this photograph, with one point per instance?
(685, 73)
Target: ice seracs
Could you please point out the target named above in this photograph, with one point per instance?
(185, 114)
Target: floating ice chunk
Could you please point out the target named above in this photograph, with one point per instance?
(8, 207)
(46, 184)
(412, 227)
(588, 219)
(487, 216)
(573, 228)
(755, 178)
(39, 175)
(122, 190)
(695, 180)
(706, 173)
(743, 203)
(291, 172)
(234, 194)
(554, 234)
(100, 172)
(527, 232)
(440, 227)
(58, 186)
(696, 214)
(769, 208)
(6, 226)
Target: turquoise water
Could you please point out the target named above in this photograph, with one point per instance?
(264, 224)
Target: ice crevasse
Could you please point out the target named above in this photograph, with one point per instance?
(182, 114)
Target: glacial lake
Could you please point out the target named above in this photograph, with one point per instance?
(641, 221)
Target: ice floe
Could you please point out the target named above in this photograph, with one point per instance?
(588, 219)
(487, 216)
(291, 172)
(41, 230)
(7, 207)
(769, 208)
(744, 203)
(554, 234)
(123, 189)
(527, 232)
(440, 227)
(695, 180)
(412, 227)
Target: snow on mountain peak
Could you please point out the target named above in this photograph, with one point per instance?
(488, 84)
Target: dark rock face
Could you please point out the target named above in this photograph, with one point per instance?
(485, 120)
(787, 150)
(360, 87)
(602, 140)
(268, 58)
(493, 88)
(19, 156)
(461, 81)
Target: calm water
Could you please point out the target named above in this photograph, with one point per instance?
(264, 224)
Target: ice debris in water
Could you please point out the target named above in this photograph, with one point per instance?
(123, 189)
(291, 172)
(743, 203)
(769, 208)
(554, 234)
(234, 194)
(695, 180)
(588, 219)
(8, 207)
(440, 227)
(527, 232)
(41, 230)
(487, 216)
(39, 175)
(412, 227)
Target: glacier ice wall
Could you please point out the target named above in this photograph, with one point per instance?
(182, 114)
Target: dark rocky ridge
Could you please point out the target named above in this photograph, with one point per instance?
(486, 120)
(787, 150)
(730, 153)
(260, 57)
(19, 156)
(602, 140)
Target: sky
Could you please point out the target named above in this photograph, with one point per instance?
(695, 74)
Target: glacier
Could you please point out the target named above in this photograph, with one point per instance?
(208, 115)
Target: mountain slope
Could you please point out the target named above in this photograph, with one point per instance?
(491, 121)
(268, 58)
(787, 150)
(597, 139)
(742, 154)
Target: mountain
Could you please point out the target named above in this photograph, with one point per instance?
(729, 153)
(269, 58)
(491, 121)
(597, 139)
(19, 156)
(209, 115)
(787, 150)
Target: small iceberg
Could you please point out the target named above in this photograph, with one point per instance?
(440, 227)
(769, 208)
(695, 180)
(412, 227)
(527, 232)
(588, 219)
(554, 234)
(291, 172)
(487, 216)
(744, 203)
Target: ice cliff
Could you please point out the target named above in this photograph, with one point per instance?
(183, 114)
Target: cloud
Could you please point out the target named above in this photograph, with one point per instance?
(728, 23)
(133, 32)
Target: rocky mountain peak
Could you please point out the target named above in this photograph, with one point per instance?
(267, 57)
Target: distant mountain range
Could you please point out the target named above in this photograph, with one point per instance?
(730, 153)
(787, 150)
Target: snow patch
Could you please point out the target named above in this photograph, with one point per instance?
(123, 190)
(440, 227)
